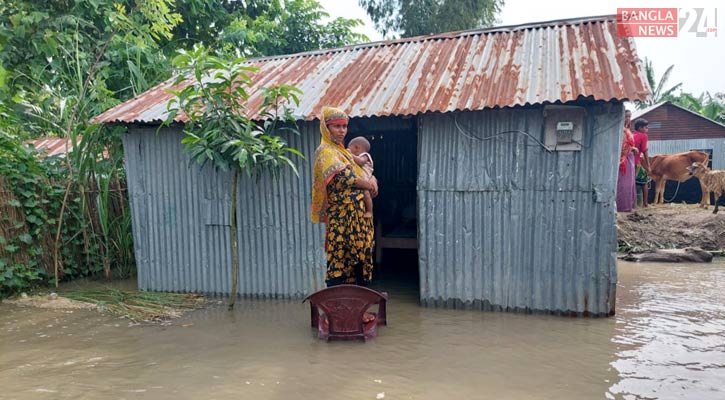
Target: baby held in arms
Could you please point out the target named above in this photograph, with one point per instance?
(359, 147)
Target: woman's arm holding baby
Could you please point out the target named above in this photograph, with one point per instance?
(359, 160)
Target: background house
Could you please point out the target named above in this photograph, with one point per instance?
(675, 129)
(503, 142)
(51, 146)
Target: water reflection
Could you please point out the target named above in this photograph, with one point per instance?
(667, 341)
(671, 332)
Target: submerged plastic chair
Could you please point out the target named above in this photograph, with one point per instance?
(337, 312)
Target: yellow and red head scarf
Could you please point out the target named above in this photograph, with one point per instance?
(330, 158)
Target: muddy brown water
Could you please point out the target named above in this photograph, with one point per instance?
(667, 341)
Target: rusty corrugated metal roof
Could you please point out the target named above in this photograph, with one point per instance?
(51, 146)
(470, 70)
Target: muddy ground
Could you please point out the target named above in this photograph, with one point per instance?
(671, 226)
(52, 301)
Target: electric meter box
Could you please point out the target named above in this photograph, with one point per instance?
(563, 127)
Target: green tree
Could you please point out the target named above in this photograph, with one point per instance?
(707, 105)
(265, 27)
(62, 62)
(90, 55)
(64, 52)
(660, 92)
(19, 250)
(408, 18)
(66, 62)
(221, 131)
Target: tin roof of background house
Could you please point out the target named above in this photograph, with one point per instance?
(670, 121)
(507, 66)
(51, 146)
(640, 113)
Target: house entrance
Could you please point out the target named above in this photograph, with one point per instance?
(394, 148)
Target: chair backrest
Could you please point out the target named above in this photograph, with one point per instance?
(344, 306)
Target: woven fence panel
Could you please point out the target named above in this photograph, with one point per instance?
(12, 224)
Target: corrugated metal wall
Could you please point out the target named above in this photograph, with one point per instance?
(502, 223)
(678, 146)
(181, 222)
(505, 225)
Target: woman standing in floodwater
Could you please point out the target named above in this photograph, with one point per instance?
(626, 190)
(338, 200)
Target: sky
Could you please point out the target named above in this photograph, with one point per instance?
(699, 62)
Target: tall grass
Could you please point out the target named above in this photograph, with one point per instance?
(93, 166)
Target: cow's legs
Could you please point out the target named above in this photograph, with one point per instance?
(660, 191)
(717, 201)
(656, 192)
(705, 197)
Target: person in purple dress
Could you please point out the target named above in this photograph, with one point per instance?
(626, 189)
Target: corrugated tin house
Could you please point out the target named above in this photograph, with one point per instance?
(503, 142)
(674, 129)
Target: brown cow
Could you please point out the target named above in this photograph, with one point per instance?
(673, 167)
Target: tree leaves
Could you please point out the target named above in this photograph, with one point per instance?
(659, 93)
(52, 49)
(712, 107)
(408, 18)
(25, 238)
(64, 62)
(263, 27)
(706, 105)
(220, 131)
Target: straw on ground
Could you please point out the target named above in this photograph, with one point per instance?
(138, 306)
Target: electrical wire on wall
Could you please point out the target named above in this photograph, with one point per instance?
(529, 135)
(474, 137)
(598, 132)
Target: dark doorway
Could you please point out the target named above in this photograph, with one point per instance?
(394, 149)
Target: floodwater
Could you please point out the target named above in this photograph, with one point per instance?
(667, 341)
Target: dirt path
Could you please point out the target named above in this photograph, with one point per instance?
(671, 226)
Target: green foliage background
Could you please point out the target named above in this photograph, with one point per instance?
(406, 18)
(32, 193)
(706, 104)
(62, 62)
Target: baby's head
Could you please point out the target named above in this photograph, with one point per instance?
(359, 145)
